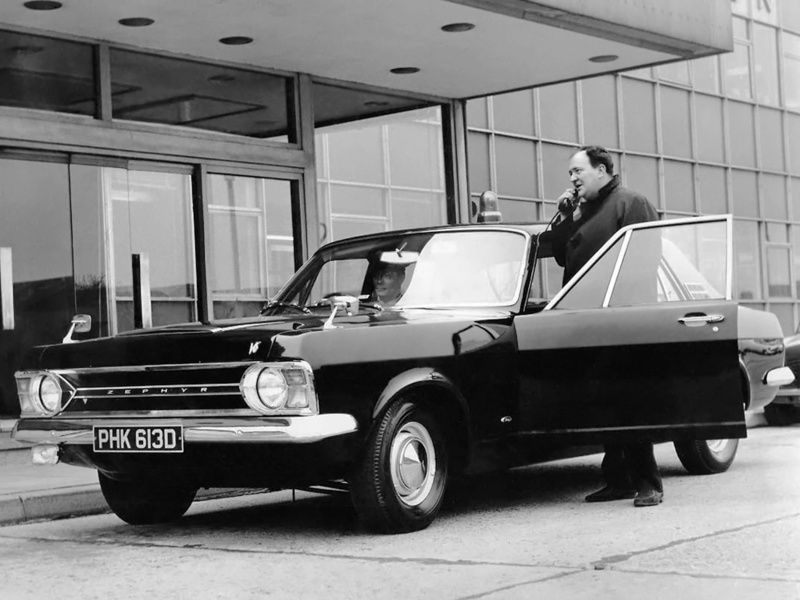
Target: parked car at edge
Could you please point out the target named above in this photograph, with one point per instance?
(477, 366)
(785, 409)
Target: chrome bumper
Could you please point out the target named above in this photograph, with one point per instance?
(266, 430)
(779, 376)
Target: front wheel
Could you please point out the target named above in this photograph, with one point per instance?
(399, 482)
(704, 457)
(141, 502)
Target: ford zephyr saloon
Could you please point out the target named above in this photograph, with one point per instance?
(481, 360)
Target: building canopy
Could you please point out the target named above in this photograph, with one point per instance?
(442, 48)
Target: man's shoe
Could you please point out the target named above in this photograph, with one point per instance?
(608, 494)
(651, 498)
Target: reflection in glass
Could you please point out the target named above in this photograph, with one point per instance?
(791, 70)
(745, 193)
(88, 248)
(742, 128)
(35, 225)
(200, 95)
(600, 122)
(675, 122)
(737, 72)
(380, 173)
(516, 167)
(796, 258)
(149, 212)
(710, 138)
(640, 119)
(252, 242)
(513, 112)
(678, 186)
(559, 103)
(778, 272)
(766, 64)
(712, 195)
(48, 74)
(675, 71)
(678, 263)
(747, 275)
(706, 74)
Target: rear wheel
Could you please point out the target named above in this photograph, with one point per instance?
(399, 483)
(140, 502)
(704, 457)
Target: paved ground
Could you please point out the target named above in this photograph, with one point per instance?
(522, 534)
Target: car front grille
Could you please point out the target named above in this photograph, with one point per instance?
(155, 389)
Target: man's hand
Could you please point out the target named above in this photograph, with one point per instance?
(567, 202)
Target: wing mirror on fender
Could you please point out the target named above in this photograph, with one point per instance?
(79, 324)
(347, 303)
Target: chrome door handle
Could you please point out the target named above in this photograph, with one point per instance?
(698, 320)
(6, 290)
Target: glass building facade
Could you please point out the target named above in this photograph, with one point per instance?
(212, 182)
(715, 135)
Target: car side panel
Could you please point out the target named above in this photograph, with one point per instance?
(630, 373)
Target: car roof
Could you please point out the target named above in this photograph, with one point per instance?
(528, 228)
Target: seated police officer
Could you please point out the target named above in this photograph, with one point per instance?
(387, 282)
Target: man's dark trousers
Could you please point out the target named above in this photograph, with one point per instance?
(631, 467)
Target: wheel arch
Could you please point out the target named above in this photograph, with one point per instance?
(436, 392)
(747, 386)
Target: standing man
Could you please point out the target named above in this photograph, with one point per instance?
(590, 212)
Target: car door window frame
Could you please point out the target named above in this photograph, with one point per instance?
(625, 234)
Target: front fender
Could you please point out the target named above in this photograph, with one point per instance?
(414, 378)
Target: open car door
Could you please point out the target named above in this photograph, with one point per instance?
(640, 344)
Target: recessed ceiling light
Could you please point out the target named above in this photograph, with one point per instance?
(25, 50)
(604, 58)
(236, 40)
(376, 103)
(222, 78)
(43, 5)
(404, 70)
(458, 27)
(136, 22)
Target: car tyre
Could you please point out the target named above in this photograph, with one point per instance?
(780, 415)
(399, 482)
(705, 457)
(141, 502)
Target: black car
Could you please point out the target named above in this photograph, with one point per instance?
(785, 409)
(468, 363)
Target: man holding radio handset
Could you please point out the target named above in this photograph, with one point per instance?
(590, 212)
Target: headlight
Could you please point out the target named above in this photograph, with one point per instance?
(280, 388)
(40, 393)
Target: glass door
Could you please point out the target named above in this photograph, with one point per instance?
(124, 210)
(36, 273)
(251, 239)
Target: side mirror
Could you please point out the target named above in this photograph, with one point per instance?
(79, 324)
(347, 303)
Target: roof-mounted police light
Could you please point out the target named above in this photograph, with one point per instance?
(487, 208)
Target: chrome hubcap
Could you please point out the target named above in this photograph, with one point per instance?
(718, 447)
(412, 463)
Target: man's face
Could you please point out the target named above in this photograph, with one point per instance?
(387, 282)
(586, 179)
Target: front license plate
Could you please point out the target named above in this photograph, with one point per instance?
(138, 439)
